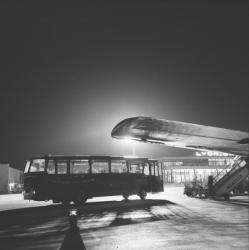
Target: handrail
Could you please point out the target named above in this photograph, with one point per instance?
(222, 176)
(223, 172)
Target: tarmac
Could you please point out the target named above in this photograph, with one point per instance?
(169, 220)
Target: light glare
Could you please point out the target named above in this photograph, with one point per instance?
(127, 140)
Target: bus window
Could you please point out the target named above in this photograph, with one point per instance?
(38, 165)
(79, 167)
(27, 167)
(152, 169)
(118, 166)
(156, 170)
(51, 167)
(160, 169)
(146, 169)
(136, 168)
(61, 167)
(99, 167)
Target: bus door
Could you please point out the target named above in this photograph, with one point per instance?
(62, 177)
(101, 177)
(156, 180)
(136, 177)
(160, 176)
(119, 177)
(57, 178)
(79, 170)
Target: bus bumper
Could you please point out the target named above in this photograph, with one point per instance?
(30, 195)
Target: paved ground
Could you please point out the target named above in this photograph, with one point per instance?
(164, 221)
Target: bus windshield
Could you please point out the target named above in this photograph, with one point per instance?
(37, 165)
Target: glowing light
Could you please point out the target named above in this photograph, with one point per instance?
(130, 156)
(130, 141)
(73, 212)
(127, 140)
(211, 153)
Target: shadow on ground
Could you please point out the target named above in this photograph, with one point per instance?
(32, 225)
(34, 215)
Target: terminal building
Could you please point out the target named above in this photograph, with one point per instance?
(11, 179)
(198, 166)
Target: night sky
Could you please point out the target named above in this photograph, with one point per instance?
(70, 73)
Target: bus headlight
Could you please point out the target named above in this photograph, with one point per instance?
(28, 193)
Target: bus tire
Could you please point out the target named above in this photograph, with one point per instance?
(65, 203)
(126, 197)
(142, 194)
(80, 200)
(194, 193)
(226, 196)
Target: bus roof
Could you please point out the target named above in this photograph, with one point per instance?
(92, 157)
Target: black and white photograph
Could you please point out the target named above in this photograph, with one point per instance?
(124, 125)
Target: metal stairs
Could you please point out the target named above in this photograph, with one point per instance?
(230, 177)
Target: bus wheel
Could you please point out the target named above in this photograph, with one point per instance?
(194, 193)
(142, 194)
(80, 200)
(226, 196)
(126, 197)
(65, 203)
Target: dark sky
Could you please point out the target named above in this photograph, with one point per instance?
(70, 72)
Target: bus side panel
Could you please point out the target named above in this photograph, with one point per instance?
(35, 187)
(155, 184)
(68, 187)
(116, 184)
(121, 184)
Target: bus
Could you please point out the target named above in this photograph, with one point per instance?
(75, 179)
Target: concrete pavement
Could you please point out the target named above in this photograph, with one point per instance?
(168, 220)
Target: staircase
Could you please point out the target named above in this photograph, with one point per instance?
(230, 177)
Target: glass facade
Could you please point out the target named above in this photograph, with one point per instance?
(185, 169)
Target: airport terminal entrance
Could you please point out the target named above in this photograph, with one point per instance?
(198, 166)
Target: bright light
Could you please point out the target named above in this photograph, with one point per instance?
(73, 212)
(127, 140)
(130, 142)
(130, 156)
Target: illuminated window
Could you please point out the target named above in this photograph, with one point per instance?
(160, 170)
(61, 167)
(118, 166)
(100, 167)
(136, 168)
(51, 167)
(242, 163)
(156, 170)
(79, 167)
(27, 167)
(173, 163)
(146, 169)
(38, 165)
(152, 168)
